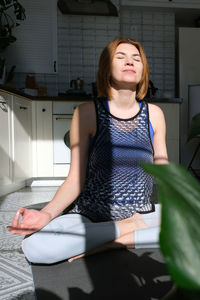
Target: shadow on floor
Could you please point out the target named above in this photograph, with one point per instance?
(119, 274)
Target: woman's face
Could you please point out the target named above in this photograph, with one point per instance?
(126, 67)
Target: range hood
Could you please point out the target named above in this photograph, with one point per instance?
(87, 7)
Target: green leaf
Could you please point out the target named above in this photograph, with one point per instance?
(194, 128)
(179, 194)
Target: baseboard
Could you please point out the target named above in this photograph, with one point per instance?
(47, 181)
(12, 187)
(31, 182)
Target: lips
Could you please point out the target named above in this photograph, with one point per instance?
(129, 70)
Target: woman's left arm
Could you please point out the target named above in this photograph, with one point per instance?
(159, 139)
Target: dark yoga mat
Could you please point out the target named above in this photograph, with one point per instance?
(118, 274)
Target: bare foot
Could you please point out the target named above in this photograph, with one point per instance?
(139, 221)
(102, 248)
(76, 257)
(131, 224)
(126, 239)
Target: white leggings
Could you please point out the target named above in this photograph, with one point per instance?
(73, 234)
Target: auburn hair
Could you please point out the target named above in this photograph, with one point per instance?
(104, 71)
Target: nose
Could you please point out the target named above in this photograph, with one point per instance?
(129, 61)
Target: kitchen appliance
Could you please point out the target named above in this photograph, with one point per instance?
(62, 116)
(94, 89)
(152, 90)
(88, 7)
(76, 87)
(61, 152)
(77, 84)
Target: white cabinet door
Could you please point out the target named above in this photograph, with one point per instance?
(5, 149)
(44, 139)
(22, 138)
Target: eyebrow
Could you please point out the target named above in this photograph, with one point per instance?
(120, 52)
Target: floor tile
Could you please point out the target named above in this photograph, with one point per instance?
(15, 273)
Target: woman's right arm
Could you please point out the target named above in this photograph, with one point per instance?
(80, 132)
(82, 128)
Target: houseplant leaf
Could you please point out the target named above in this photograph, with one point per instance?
(194, 128)
(179, 194)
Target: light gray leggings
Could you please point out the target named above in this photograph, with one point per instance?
(73, 234)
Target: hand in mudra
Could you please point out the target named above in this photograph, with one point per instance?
(32, 221)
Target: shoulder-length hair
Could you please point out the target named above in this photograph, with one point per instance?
(104, 71)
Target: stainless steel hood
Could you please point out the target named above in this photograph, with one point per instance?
(87, 7)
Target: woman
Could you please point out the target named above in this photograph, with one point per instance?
(107, 192)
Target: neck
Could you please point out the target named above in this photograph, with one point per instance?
(123, 97)
(123, 103)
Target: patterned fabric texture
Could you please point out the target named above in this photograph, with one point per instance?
(116, 185)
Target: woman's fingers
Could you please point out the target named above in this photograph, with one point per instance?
(18, 230)
(19, 213)
(18, 227)
(15, 230)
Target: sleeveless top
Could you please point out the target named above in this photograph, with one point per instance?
(105, 102)
(116, 186)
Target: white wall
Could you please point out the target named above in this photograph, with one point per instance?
(82, 38)
(80, 42)
(35, 49)
(155, 29)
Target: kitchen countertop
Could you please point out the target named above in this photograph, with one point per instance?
(65, 97)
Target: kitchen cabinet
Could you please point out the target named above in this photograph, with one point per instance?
(15, 142)
(62, 116)
(22, 165)
(42, 139)
(5, 145)
(51, 121)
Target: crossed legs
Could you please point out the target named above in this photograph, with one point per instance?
(72, 235)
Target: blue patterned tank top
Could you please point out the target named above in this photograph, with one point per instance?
(116, 186)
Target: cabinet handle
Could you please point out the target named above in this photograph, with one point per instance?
(4, 106)
(23, 107)
(54, 66)
(63, 119)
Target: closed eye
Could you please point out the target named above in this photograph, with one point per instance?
(119, 57)
(136, 57)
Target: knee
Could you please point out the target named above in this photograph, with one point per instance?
(35, 250)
